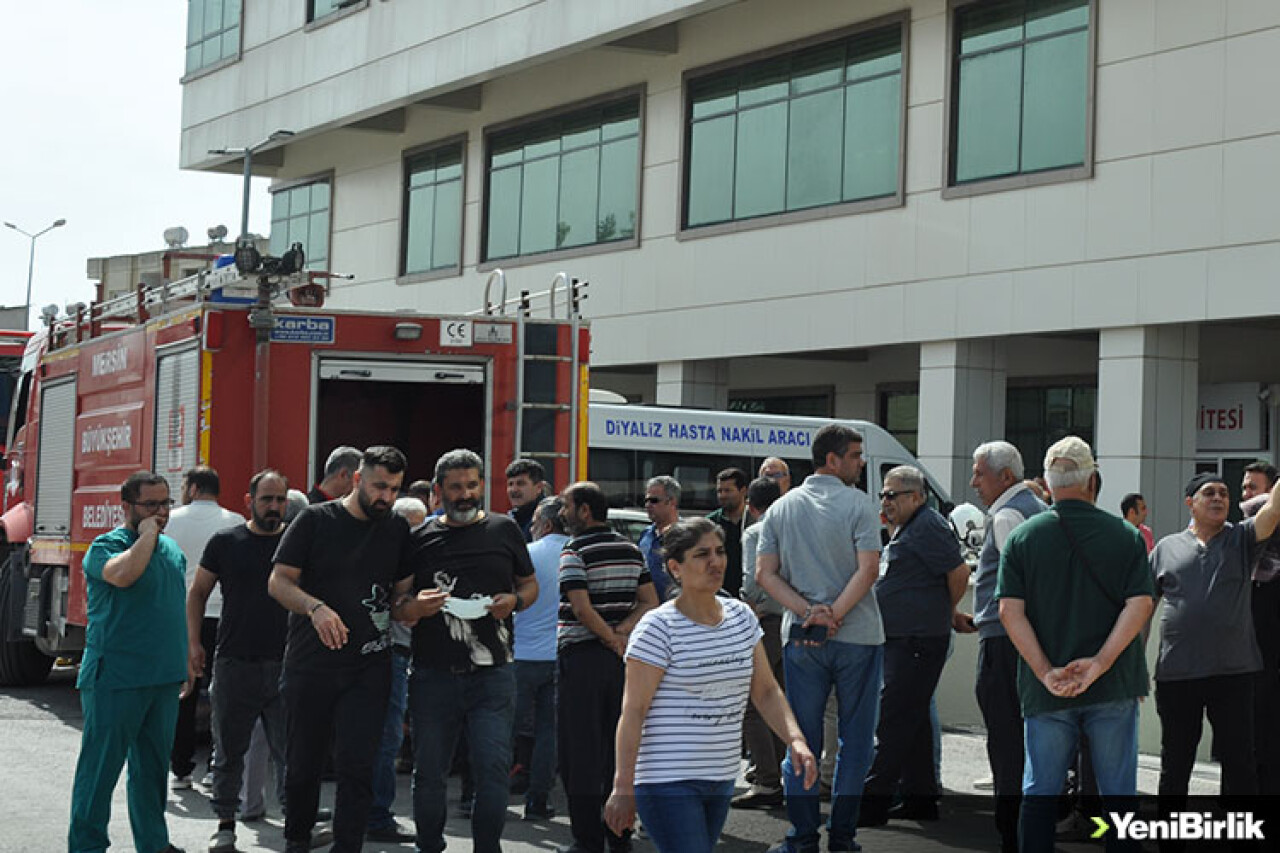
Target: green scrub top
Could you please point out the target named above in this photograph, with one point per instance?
(137, 635)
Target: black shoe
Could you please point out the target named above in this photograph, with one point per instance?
(392, 833)
(914, 810)
(538, 810)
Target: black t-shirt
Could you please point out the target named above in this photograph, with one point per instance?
(479, 559)
(351, 566)
(253, 624)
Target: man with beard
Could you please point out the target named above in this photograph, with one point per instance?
(251, 636)
(472, 571)
(334, 570)
(133, 665)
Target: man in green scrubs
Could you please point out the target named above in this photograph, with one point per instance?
(133, 668)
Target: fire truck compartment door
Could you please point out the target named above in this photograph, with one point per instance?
(177, 415)
(402, 371)
(57, 458)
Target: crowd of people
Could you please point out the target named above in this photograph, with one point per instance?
(809, 623)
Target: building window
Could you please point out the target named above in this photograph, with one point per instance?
(433, 210)
(213, 32)
(1020, 88)
(819, 126)
(900, 414)
(1036, 417)
(564, 182)
(300, 214)
(811, 405)
(317, 9)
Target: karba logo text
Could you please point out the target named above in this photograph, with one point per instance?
(1182, 826)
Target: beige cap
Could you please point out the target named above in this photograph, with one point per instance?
(1073, 448)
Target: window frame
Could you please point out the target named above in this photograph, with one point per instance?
(329, 177)
(188, 76)
(809, 214)
(483, 262)
(312, 22)
(403, 276)
(982, 186)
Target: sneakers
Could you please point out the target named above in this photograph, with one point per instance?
(223, 841)
(538, 810)
(181, 783)
(756, 797)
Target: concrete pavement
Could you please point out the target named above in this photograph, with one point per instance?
(39, 740)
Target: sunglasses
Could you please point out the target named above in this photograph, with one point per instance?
(890, 495)
(650, 499)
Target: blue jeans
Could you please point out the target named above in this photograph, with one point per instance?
(441, 702)
(855, 672)
(684, 816)
(384, 765)
(1051, 740)
(536, 717)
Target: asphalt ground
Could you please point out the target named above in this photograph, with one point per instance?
(39, 742)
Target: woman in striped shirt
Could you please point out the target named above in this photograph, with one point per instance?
(691, 664)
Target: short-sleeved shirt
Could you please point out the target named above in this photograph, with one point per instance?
(912, 590)
(352, 566)
(752, 593)
(1206, 626)
(610, 568)
(253, 625)
(1071, 608)
(694, 726)
(651, 549)
(535, 626)
(817, 530)
(191, 526)
(137, 635)
(474, 560)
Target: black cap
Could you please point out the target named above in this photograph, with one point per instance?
(1198, 482)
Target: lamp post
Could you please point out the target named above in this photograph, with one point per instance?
(260, 317)
(247, 154)
(31, 260)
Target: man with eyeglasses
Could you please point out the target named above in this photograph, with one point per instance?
(335, 569)
(133, 667)
(250, 645)
(191, 525)
(1209, 656)
(922, 578)
(662, 505)
(777, 470)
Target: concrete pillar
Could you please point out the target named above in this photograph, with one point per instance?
(695, 384)
(1148, 379)
(962, 390)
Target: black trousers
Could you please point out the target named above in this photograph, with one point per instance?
(182, 757)
(1266, 686)
(997, 692)
(348, 705)
(1182, 706)
(904, 735)
(767, 749)
(588, 707)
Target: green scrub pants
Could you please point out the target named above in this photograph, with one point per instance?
(134, 724)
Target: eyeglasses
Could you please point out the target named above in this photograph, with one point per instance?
(890, 495)
(651, 499)
(152, 506)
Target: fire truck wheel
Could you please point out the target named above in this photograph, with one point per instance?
(21, 663)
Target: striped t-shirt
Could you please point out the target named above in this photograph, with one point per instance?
(694, 726)
(609, 567)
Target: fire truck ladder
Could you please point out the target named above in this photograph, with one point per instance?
(538, 365)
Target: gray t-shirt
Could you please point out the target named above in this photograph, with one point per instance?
(752, 593)
(1207, 624)
(817, 530)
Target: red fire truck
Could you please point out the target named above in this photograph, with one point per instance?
(220, 369)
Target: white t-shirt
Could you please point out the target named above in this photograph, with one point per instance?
(192, 526)
(694, 726)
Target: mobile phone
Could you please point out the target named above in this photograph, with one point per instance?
(812, 634)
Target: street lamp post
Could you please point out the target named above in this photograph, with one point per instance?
(31, 260)
(247, 154)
